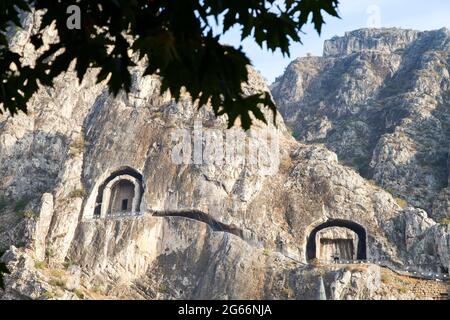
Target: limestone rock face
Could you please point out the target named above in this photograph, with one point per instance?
(379, 98)
(386, 40)
(43, 225)
(212, 223)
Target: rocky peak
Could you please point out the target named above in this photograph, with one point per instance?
(386, 39)
(379, 99)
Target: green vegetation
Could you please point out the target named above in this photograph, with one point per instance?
(78, 293)
(266, 252)
(158, 115)
(177, 40)
(291, 132)
(98, 290)
(445, 221)
(29, 214)
(48, 295)
(390, 190)
(163, 287)
(402, 203)
(49, 253)
(20, 205)
(3, 204)
(40, 265)
(402, 289)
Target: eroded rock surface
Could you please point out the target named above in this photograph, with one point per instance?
(379, 98)
(234, 228)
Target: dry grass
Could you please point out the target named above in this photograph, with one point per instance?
(48, 294)
(57, 273)
(356, 268)
(400, 288)
(77, 193)
(285, 164)
(385, 278)
(76, 147)
(80, 294)
(288, 292)
(373, 183)
(57, 282)
(58, 278)
(389, 277)
(405, 279)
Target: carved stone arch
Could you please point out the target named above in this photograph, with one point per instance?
(103, 205)
(360, 231)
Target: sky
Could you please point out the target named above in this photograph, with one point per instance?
(355, 14)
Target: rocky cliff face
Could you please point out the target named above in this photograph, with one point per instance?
(380, 100)
(222, 227)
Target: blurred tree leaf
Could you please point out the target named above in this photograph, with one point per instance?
(175, 37)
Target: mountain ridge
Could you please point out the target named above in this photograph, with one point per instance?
(364, 92)
(96, 205)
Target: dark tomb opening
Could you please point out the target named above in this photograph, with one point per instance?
(343, 247)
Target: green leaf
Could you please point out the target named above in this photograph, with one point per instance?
(173, 37)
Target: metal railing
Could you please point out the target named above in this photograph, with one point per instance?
(120, 214)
